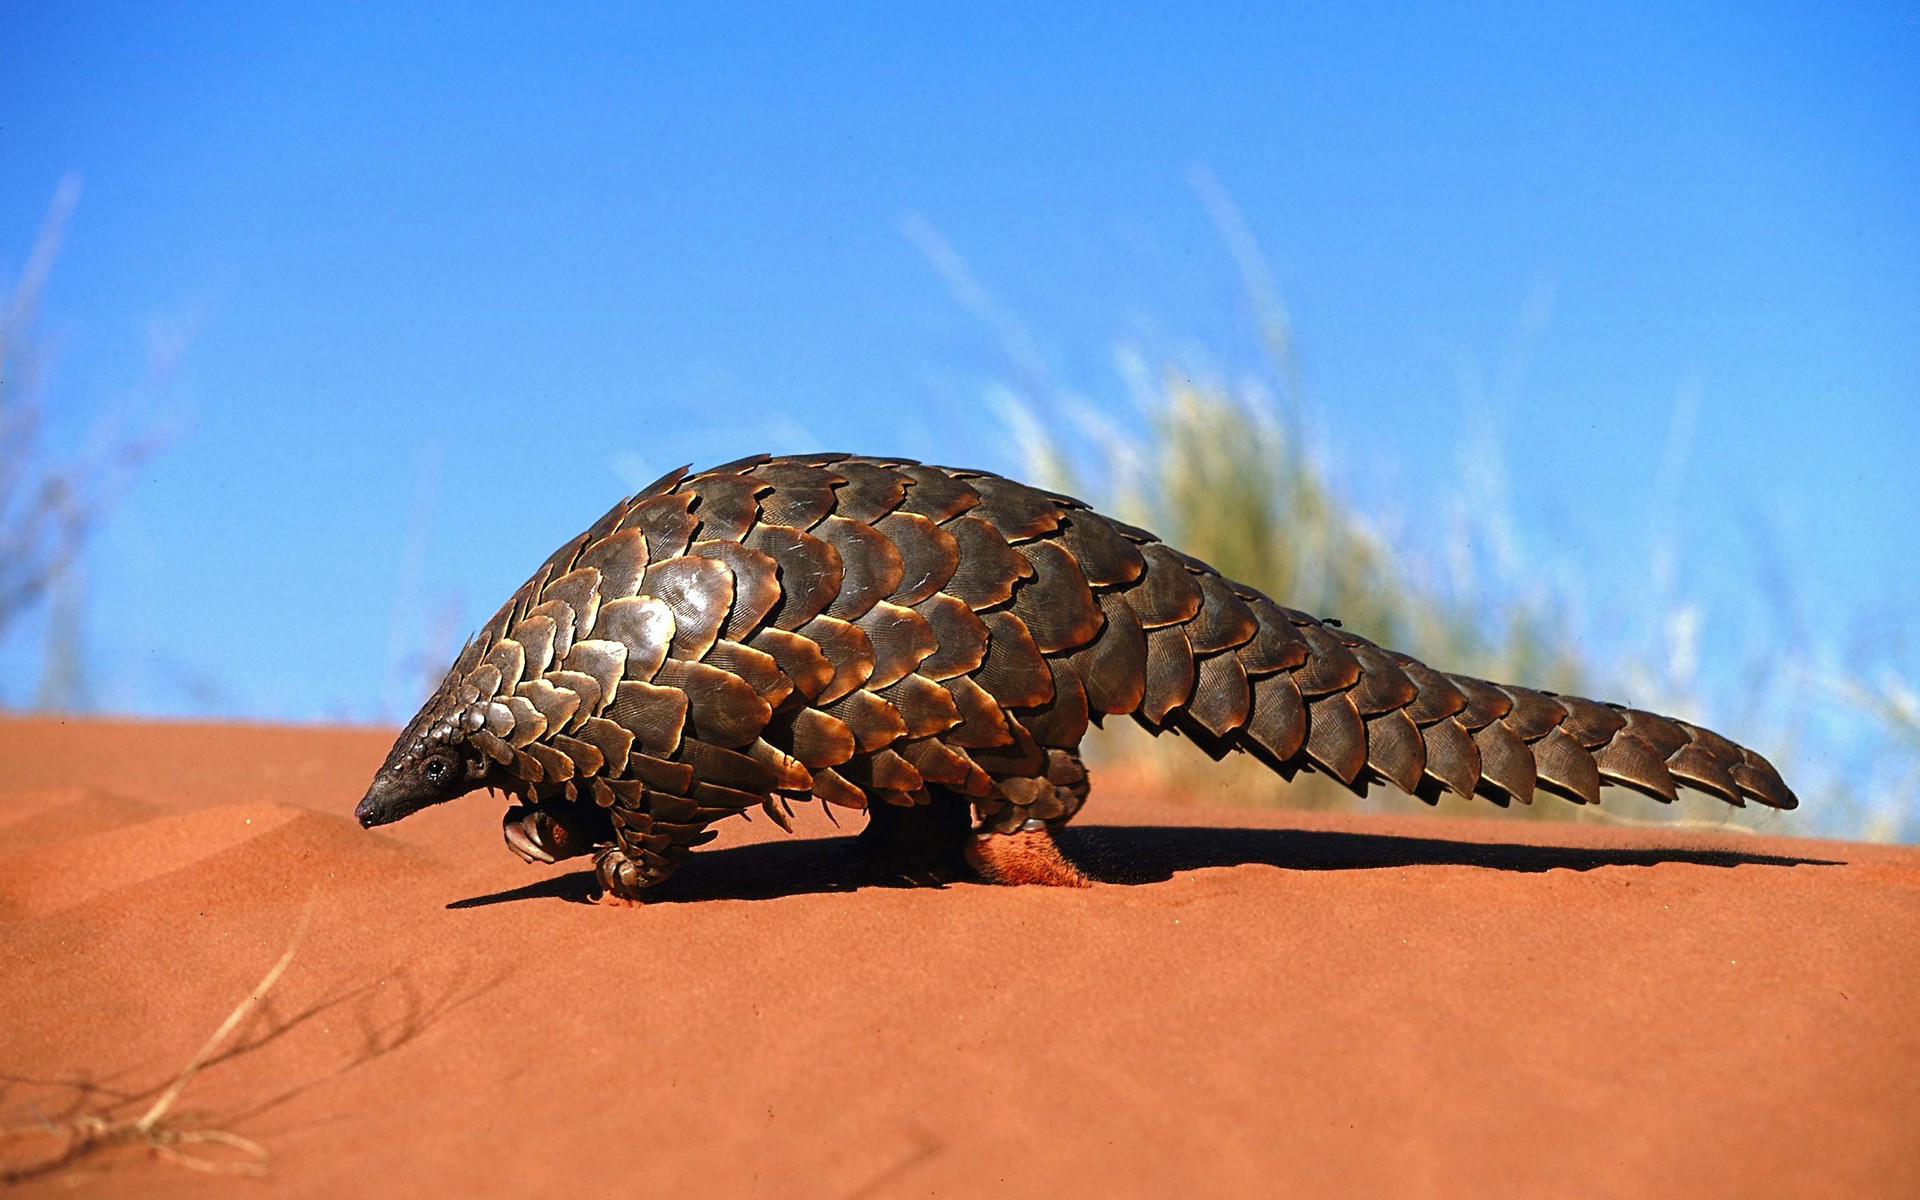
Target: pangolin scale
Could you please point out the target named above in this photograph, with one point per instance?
(930, 645)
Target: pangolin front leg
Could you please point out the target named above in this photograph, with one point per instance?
(889, 637)
(550, 833)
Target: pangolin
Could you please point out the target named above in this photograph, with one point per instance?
(930, 645)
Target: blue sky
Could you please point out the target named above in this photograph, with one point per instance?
(441, 285)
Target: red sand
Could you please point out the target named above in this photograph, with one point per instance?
(1296, 1005)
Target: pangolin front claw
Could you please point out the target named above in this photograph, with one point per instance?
(538, 836)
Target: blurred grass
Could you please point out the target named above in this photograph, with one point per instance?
(1218, 469)
(51, 502)
(1223, 467)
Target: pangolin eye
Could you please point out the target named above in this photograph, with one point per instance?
(436, 769)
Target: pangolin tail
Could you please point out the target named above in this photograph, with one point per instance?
(1233, 670)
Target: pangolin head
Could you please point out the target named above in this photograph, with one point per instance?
(433, 761)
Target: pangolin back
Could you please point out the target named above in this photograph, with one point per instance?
(874, 633)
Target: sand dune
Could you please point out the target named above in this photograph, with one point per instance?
(1269, 1004)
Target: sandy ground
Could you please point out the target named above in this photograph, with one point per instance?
(1269, 1004)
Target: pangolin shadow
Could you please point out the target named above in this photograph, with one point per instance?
(1131, 855)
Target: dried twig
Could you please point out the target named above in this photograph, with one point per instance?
(157, 1129)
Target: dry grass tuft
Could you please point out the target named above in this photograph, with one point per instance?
(169, 1136)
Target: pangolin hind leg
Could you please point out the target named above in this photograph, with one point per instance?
(1014, 842)
(645, 849)
(622, 877)
(919, 843)
(1027, 855)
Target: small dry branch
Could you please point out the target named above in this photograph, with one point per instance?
(162, 1132)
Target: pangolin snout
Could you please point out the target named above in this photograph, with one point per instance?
(390, 797)
(369, 811)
